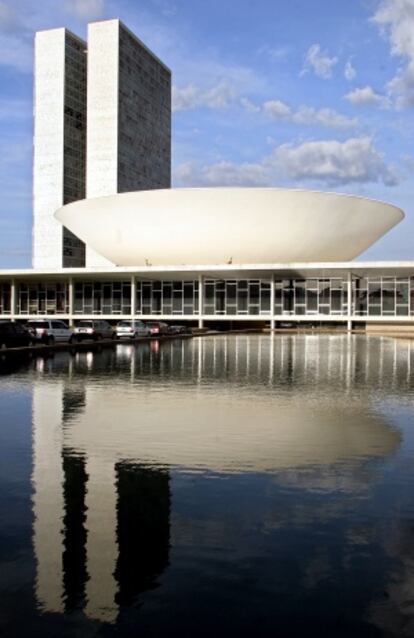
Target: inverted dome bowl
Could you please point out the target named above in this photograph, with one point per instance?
(216, 225)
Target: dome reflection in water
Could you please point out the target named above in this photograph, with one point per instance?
(225, 484)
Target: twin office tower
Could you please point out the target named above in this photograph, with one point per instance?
(102, 125)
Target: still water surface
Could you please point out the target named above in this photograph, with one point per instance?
(224, 486)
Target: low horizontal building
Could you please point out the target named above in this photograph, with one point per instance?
(259, 235)
(363, 292)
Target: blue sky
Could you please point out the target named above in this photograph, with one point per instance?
(305, 93)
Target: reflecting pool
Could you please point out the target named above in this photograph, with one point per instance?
(231, 485)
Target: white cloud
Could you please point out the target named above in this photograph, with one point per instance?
(396, 21)
(366, 96)
(324, 162)
(401, 87)
(276, 109)
(349, 71)
(219, 96)
(307, 115)
(319, 61)
(208, 82)
(335, 163)
(396, 18)
(86, 9)
(274, 53)
(184, 98)
(325, 116)
(248, 105)
(223, 96)
(190, 97)
(222, 173)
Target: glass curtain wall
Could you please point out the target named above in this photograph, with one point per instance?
(102, 298)
(5, 298)
(167, 297)
(383, 296)
(44, 298)
(311, 297)
(371, 296)
(236, 297)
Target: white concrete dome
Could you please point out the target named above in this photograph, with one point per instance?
(218, 225)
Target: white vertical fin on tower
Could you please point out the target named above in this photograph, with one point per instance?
(48, 159)
(102, 118)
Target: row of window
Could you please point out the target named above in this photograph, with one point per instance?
(386, 296)
(311, 297)
(166, 298)
(236, 297)
(106, 298)
(42, 298)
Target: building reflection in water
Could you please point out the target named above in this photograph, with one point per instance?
(101, 529)
(143, 529)
(106, 429)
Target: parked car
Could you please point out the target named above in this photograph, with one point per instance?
(132, 329)
(95, 329)
(50, 330)
(157, 328)
(14, 335)
(179, 330)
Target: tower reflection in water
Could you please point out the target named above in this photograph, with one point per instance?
(101, 529)
(107, 428)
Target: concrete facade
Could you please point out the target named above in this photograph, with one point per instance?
(102, 126)
(129, 117)
(224, 225)
(59, 144)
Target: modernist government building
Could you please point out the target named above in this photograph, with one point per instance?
(111, 239)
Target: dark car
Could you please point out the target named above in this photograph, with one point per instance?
(179, 330)
(14, 335)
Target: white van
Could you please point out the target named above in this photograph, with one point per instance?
(50, 330)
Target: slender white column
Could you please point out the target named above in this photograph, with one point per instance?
(200, 301)
(102, 547)
(48, 141)
(133, 296)
(70, 283)
(13, 307)
(349, 302)
(272, 302)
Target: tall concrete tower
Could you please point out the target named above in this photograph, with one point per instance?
(59, 145)
(129, 116)
(102, 126)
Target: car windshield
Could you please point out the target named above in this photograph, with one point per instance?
(85, 324)
(124, 324)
